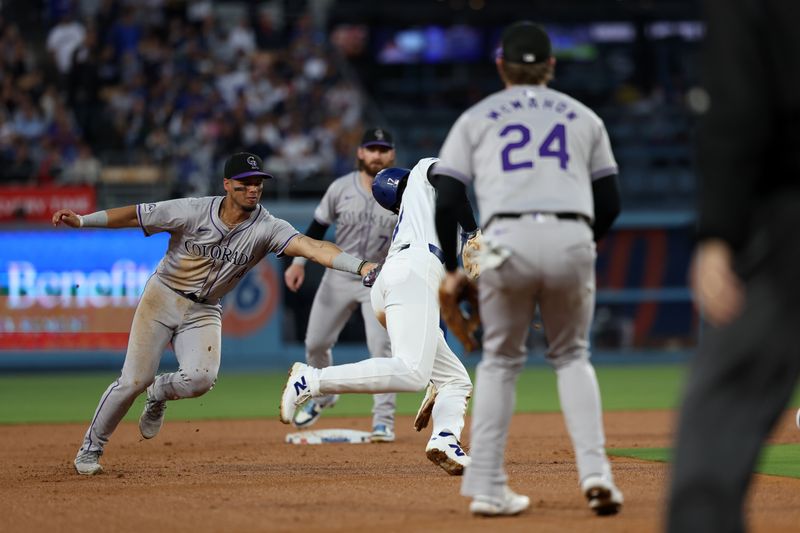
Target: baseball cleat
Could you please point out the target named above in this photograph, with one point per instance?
(295, 392)
(603, 496)
(510, 504)
(381, 433)
(426, 409)
(152, 417)
(312, 410)
(87, 463)
(445, 450)
(797, 419)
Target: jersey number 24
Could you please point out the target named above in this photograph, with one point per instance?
(553, 145)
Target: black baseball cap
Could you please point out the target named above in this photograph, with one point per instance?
(243, 165)
(377, 137)
(525, 42)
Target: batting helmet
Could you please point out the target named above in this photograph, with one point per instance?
(386, 187)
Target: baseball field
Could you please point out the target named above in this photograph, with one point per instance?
(220, 462)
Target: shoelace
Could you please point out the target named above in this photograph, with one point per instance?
(155, 408)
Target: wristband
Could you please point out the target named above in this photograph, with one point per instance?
(347, 263)
(94, 220)
(299, 261)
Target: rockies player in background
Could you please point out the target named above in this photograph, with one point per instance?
(404, 298)
(744, 274)
(363, 228)
(546, 187)
(214, 242)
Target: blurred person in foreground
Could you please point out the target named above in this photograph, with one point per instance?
(744, 273)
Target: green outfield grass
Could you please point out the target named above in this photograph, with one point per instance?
(775, 460)
(68, 397)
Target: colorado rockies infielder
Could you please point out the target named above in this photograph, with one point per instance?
(545, 181)
(214, 241)
(363, 228)
(404, 298)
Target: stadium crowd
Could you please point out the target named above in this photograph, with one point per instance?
(175, 86)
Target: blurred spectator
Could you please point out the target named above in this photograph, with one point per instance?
(126, 33)
(19, 169)
(85, 170)
(83, 85)
(159, 82)
(241, 40)
(15, 56)
(50, 164)
(267, 36)
(28, 121)
(62, 133)
(62, 41)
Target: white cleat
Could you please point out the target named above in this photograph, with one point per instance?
(603, 496)
(426, 408)
(797, 419)
(510, 504)
(87, 463)
(295, 392)
(445, 450)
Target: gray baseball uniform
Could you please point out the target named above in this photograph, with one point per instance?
(181, 303)
(532, 153)
(363, 229)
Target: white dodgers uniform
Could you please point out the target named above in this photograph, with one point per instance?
(407, 292)
(532, 154)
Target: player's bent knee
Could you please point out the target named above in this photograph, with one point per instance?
(133, 387)
(506, 362)
(416, 381)
(558, 361)
(201, 382)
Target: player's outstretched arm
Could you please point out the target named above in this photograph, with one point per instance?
(327, 254)
(118, 217)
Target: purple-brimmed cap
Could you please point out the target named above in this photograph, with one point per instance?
(243, 165)
(377, 137)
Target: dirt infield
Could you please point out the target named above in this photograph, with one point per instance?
(240, 476)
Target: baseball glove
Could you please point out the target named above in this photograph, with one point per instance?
(370, 277)
(470, 250)
(463, 323)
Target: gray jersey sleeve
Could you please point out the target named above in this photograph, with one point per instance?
(325, 213)
(169, 215)
(456, 153)
(601, 160)
(280, 234)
